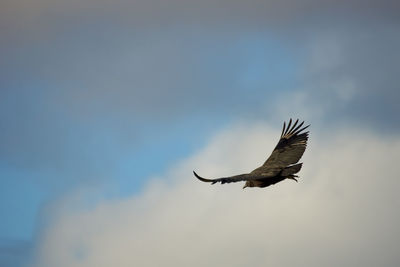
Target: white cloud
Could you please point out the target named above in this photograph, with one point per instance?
(343, 211)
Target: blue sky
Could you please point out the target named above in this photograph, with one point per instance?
(105, 97)
(62, 131)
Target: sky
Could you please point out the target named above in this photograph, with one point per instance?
(106, 108)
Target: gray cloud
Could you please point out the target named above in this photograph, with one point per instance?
(352, 73)
(342, 212)
(146, 13)
(156, 58)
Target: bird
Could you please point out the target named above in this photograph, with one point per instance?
(282, 163)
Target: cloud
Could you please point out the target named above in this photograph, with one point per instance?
(342, 212)
(176, 11)
(351, 73)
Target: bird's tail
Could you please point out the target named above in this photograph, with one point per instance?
(291, 169)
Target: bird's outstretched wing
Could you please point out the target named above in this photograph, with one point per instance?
(231, 179)
(288, 151)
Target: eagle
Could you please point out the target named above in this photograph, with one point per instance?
(282, 163)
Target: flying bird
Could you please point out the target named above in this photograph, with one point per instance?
(282, 163)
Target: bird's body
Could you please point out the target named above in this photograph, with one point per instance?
(282, 164)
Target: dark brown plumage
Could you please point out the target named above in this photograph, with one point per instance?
(282, 164)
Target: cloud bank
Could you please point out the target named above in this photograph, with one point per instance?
(343, 211)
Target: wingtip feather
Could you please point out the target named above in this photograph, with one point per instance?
(203, 179)
(283, 129)
(288, 126)
(294, 125)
